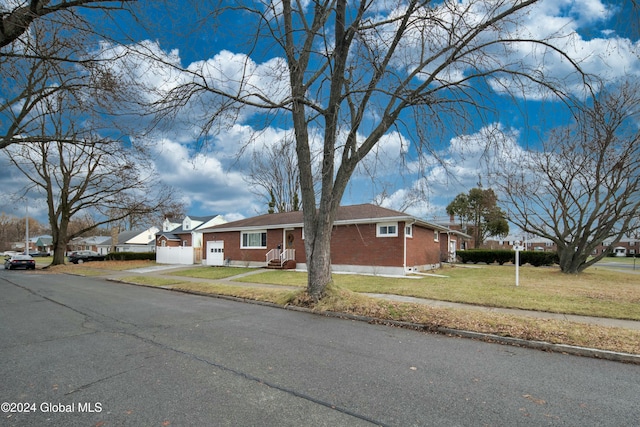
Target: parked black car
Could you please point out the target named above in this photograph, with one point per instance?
(85, 256)
(37, 253)
(20, 261)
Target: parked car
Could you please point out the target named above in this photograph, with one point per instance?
(37, 253)
(20, 261)
(79, 257)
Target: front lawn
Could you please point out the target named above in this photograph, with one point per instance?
(596, 292)
(213, 273)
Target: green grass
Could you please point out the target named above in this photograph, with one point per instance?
(151, 280)
(212, 273)
(595, 292)
(622, 260)
(277, 277)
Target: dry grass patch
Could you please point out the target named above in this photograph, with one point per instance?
(552, 331)
(150, 280)
(273, 295)
(97, 268)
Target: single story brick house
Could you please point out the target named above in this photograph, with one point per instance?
(366, 239)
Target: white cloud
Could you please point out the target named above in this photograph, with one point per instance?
(211, 180)
(201, 180)
(557, 22)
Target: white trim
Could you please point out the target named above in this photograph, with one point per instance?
(387, 232)
(394, 219)
(243, 233)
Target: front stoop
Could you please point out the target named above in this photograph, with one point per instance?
(288, 265)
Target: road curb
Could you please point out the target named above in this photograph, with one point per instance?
(518, 342)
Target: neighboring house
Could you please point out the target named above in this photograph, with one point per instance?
(456, 240)
(451, 242)
(180, 241)
(101, 244)
(625, 247)
(365, 239)
(131, 241)
(530, 244)
(44, 244)
(41, 243)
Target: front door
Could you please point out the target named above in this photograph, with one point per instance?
(215, 252)
(290, 240)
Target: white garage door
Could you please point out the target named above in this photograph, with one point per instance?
(215, 253)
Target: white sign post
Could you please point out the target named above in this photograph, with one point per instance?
(517, 247)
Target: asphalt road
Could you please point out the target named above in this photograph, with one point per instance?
(78, 351)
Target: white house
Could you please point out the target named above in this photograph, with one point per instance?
(180, 242)
(132, 241)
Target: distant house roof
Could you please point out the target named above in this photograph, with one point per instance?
(168, 235)
(91, 240)
(179, 229)
(203, 219)
(354, 214)
(135, 237)
(44, 241)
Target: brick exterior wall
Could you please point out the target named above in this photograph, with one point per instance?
(168, 243)
(358, 245)
(422, 248)
(350, 245)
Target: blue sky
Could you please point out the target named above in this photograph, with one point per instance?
(211, 180)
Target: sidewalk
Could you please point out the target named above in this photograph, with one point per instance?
(600, 321)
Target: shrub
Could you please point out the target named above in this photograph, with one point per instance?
(487, 256)
(131, 256)
(501, 256)
(537, 258)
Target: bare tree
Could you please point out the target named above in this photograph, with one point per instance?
(274, 176)
(80, 171)
(13, 229)
(48, 46)
(350, 72)
(16, 20)
(583, 188)
(95, 176)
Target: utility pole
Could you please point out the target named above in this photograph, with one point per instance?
(26, 241)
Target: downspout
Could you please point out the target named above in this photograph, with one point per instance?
(404, 233)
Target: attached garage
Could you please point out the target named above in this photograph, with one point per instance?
(215, 253)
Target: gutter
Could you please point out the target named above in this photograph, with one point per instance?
(404, 263)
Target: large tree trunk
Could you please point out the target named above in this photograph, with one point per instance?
(58, 252)
(571, 262)
(319, 266)
(319, 223)
(59, 234)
